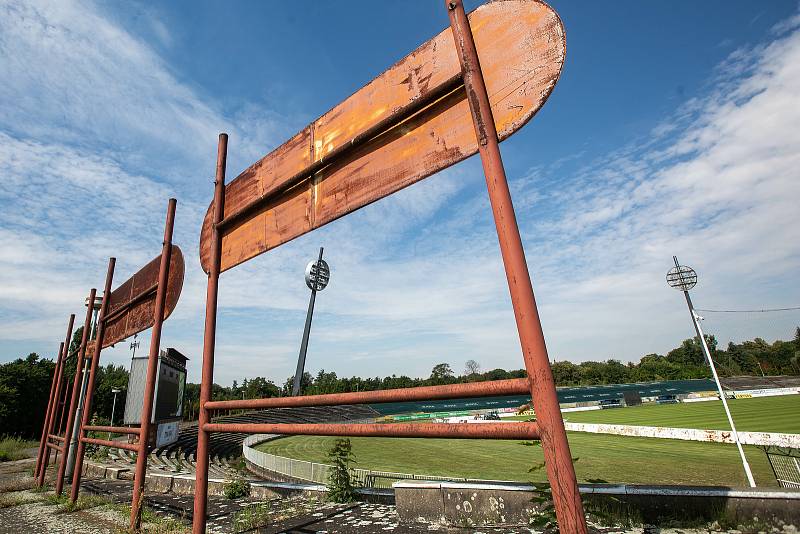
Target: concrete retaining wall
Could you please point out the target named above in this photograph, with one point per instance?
(689, 434)
(452, 504)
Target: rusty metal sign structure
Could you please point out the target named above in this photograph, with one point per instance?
(52, 428)
(145, 300)
(433, 108)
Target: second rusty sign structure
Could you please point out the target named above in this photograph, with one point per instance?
(143, 301)
(462, 92)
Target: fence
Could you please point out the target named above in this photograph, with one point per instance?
(319, 473)
(785, 463)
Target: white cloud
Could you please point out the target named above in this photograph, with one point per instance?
(719, 190)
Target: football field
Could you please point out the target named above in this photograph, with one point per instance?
(600, 457)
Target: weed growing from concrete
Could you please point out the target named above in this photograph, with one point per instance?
(236, 488)
(340, 483)
(253, 516)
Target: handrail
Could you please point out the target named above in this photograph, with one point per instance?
(319, 472)
(517, 430)
(113, 444)
(115, 429)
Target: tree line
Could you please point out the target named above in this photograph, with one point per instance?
(25, 382)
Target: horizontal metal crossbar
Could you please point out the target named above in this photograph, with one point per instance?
(519, 430)
(121, 310)
(114, 444)
(55, 437)
(516, 386)
(117, 429)
(53, 446)
(398, 116)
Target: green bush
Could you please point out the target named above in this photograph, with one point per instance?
(237, 488)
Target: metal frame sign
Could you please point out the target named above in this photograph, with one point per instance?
(405, 125)
(462, 92)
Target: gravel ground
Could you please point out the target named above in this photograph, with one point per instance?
(25, 511)
(33, 515)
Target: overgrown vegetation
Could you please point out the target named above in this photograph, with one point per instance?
(251, 517)
(544, 515)
(25, 389)
(236, 489)
(8, 500)
(55, 500)
(18, 484)
(14, 447)
(340, 482)
(153, 523)
(84, 502)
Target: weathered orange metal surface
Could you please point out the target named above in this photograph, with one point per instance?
(131, 308)
(521, 45)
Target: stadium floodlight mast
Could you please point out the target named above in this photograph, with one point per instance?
(684, 278)
(134, 345)
(76, 425)
(113, 408)
(317, 276)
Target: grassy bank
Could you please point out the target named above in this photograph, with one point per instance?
(14, 448)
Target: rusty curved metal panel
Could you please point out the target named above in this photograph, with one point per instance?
(313, 179)
(131, 307)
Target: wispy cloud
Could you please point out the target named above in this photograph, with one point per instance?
(716, 184)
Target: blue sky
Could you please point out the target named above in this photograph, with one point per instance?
(671, 131)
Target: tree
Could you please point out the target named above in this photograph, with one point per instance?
(305, 383)
(24, 392)
(690, 353)
(441, 373)
(796, 355)
(107, 379)
(566, 373)
(471, 367)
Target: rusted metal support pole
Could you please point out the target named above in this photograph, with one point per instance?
(47, 412)
(560, 471)
(152, 368)
(58, 419)
(52, 405)
(47, 415)
(201, 467)
(76, 384)
(65, 398)
(61, 385)
(87, 403)
(54, 417)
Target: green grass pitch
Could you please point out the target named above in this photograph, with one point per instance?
(600, 457)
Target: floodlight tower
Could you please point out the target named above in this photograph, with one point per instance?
(73, 444)
(317, 276)
(684, 278)
(113, 409)
(134, 345)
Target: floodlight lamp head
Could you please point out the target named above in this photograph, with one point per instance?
(98, 300)
(318, 274)
(682, 277)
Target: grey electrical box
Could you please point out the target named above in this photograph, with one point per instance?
(169, 392)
